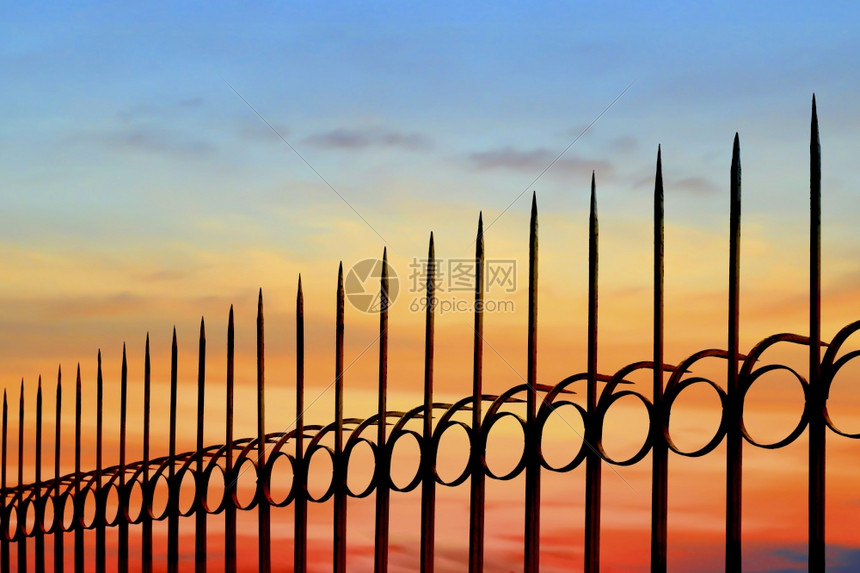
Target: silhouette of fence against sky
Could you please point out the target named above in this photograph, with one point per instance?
(54, 507)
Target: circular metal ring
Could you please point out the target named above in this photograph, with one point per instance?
(440, 430)
(392, 441)
(543, 417)
(804, 416)
(488, 424)
(672, 394)
(309, 454)
(267, 479)
(603, 408)
(351, 444)
(233, 477)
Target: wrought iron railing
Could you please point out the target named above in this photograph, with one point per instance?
(24, 507)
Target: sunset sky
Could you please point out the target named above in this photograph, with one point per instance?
(140, 192)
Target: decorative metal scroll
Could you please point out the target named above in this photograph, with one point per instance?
(23, 507)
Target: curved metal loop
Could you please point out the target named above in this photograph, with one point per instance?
(267, 479)
(309, 453)
(492, 416)
(176, 490)
(351, 444)
(393, 438)
(543, 417)
(232, 482)
(203, 480)
(672, 392)
(441, 428)
(748, 379)
(755, 353)
(603, 406)
(830, 373)
(488, 424)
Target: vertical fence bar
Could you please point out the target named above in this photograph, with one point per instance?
(263, 508)
(58, 531)
(339, 534)
(173, 488)
(428, 480)
(122, 527)
(817, 428)
(200, 514)
(4, 521)
(100, 503)
(383, 469)
(39, 540)
(532, 442)
(300, 534)
(734, 451)
(659, 446)
(79, 505)
(229, 479)
(146, 520)
(592, 461)
(476, 480)
(22, 516)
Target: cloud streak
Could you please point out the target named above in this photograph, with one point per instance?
(355, 139)
(534, 161)
(146, 140)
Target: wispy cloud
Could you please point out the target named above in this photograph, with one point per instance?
(533, 161)
(159, 110)
(147, 140)
(343, 138)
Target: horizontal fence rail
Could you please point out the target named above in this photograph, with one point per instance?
(53, 506)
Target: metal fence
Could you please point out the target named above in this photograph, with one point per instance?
(54, 507)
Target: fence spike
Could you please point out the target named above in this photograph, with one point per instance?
(300, 534)
(383, 470)
(428, 462)
(734, 445)
(230, 480)
(200, 513)
(122, 527)
(477, 476)
(593, 462)
(263, 509)
(100, 503)
(58, 532)
(4, 543)
(79, 506)
(532, 441)
(22, 541)
(39, 538)
(339, 534)
(146, 520)
(817, 427)
(660, 451)
(173, 487)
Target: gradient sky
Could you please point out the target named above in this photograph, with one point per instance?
(140, 192)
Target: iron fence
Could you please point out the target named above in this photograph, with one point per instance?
(24, 507)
